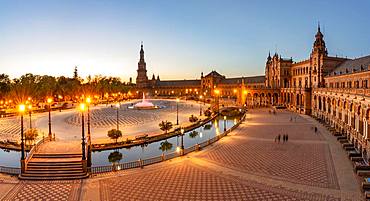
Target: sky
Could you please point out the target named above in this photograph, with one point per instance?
(181, 38)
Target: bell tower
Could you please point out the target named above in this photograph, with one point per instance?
(142, 78)
(318, 53)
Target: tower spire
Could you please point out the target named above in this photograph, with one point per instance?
(142, 52)
(318, 26)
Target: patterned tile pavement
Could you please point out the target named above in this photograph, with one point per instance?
(187, 182)
(308, 164)
(45, 190)
(247, 165)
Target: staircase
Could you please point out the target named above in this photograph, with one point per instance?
(54, 166)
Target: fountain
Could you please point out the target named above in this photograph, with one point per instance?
(144, 104)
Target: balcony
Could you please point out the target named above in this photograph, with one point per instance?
(349, 91)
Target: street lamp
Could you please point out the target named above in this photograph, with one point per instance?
(217, 92)
(235, 95)
(182, 141)
(117, 106)
(200, 105)
(49, 108)
(88, 101)
(177, 111)
(22, 108)
(82, 109)
(30, 114)
(224, 123)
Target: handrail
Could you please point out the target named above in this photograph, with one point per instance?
(35, 147)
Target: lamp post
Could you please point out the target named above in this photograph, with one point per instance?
(217, 92)
(49, 108)
(235, 95)
(30, 114)
(88, 101)
(83, 108)
(182, 141)
(200, 105)
(117, 106)
(177, 111)
(224, 123)
(22, 108)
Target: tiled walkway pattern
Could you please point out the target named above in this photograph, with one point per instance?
(248, 165)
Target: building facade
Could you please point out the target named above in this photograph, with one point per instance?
(328, 87)
(204, 87)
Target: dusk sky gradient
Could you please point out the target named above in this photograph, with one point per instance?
(181, 38)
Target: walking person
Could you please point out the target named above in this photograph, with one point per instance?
(286, 138)
(279, 138)
(315, 129)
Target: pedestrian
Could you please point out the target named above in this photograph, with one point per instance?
(291, 119)
(279, 138)
(286, 138)
(315, 129)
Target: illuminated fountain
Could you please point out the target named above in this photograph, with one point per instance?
(144, 105)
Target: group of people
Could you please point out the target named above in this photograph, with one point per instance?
(285, 138)
(293, 119)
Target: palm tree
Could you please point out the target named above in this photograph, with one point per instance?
(165, 146)
(165, 126)
(31, 135)
(114, 134)
(193, 134)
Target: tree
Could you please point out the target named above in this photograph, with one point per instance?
(193, 119)
(193, 134)
(4, 85)
(165, 146)
(114, 134)
(165, 126)
(115, 157)
(207, 113)
(31, 135)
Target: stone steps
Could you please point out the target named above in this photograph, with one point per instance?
(50, 166)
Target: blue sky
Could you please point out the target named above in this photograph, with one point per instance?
(181, 38)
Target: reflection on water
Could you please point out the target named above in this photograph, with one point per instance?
(201, 134)
(9, 158)
(198, 135)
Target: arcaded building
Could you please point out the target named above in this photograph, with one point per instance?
(332, 88)
(205, 86)
(328, 87)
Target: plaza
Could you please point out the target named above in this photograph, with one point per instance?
(246, 165)
(184, 100)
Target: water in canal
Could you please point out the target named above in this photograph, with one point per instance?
(10, 158)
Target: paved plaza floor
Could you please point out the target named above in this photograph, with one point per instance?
(66, 125)
(246, 165)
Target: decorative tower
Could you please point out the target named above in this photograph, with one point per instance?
(318, 53)
(142, 78)
(267, 71)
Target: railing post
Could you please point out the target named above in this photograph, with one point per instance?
(141, 163)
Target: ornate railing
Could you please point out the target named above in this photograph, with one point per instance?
(163, 157)
(351, 91)
(10, 170)
(35, 147)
